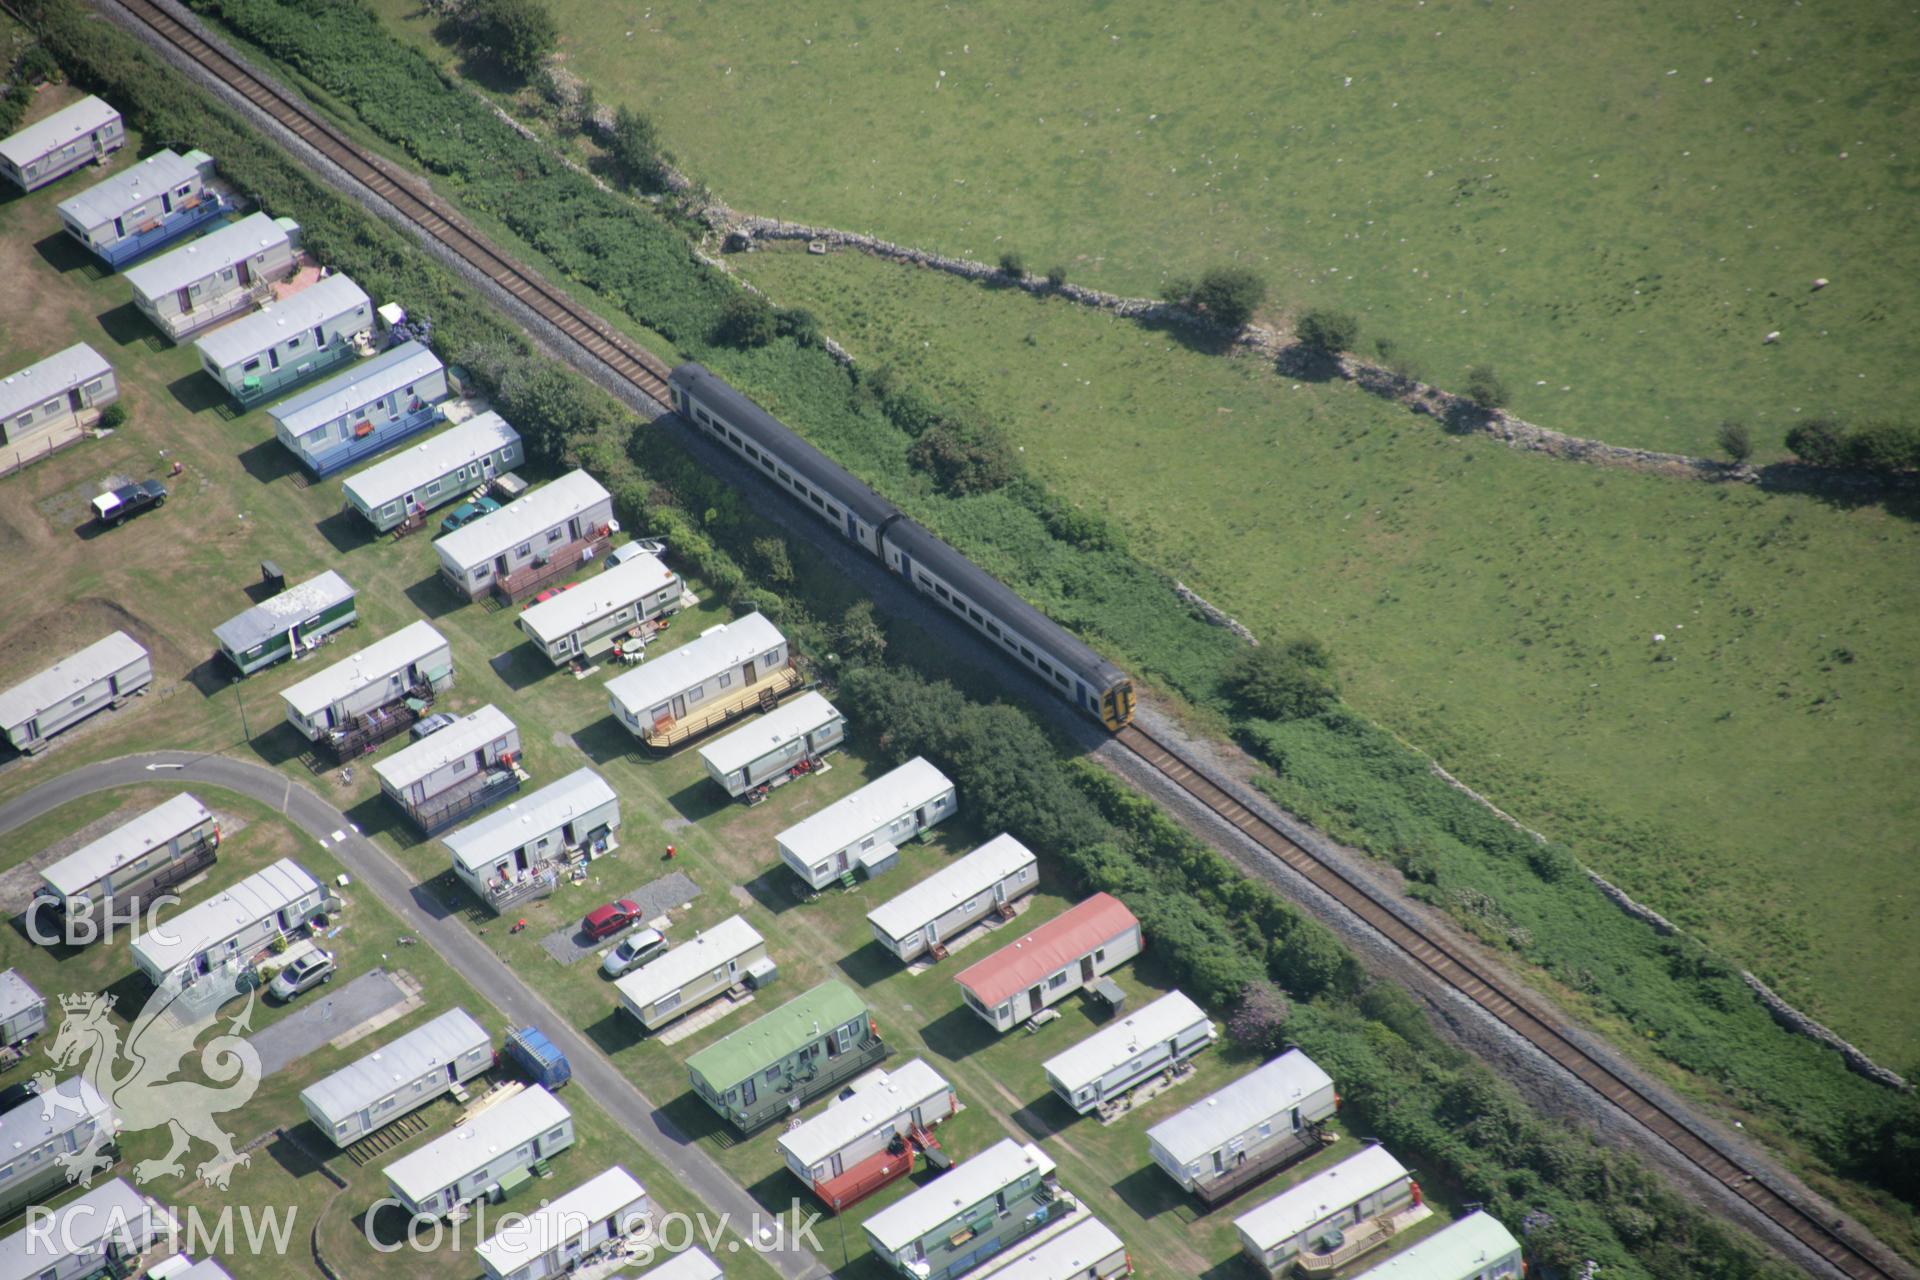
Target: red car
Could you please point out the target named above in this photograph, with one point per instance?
(604, 922)
(550, 593)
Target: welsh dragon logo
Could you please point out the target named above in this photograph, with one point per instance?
(138, 1079)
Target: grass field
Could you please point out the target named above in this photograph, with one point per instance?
(172, 575)
(1498, 611)
(1613, 205)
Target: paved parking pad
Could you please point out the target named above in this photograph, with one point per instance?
(570, 943)
(328, 1012)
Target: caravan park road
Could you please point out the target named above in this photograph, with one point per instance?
(421, 912)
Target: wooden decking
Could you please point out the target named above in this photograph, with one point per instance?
(762, 695)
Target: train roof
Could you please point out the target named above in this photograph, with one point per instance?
(1000, 600)
(741, 412)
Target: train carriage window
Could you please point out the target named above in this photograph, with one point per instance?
(938, 590)
(731, 436)
(784, 476)
(814, 498)
(767, 464)
(833, 511)
(753, 453)
(925, 581)
(975, 615)
(1026, 653)
(1043, 665)
(1059, 679)
(993, 629)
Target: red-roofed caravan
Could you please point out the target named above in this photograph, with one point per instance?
(1067, 953)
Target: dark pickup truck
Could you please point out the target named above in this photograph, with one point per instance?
(128, 501)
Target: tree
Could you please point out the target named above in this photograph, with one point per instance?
(1282, 682)
(963, 458)
(747, 320)
(1013, 266)
(1056, 276)
(860, 639)
(1259, 1017)
(1226, 295)
(799, 324)
(1484, 387)
(516, 34)
(634, 144)
(1331, 332)
(771, 559)
(1885, 447)
(1819, 441)
(1736, 441)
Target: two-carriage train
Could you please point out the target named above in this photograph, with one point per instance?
(1074, 671)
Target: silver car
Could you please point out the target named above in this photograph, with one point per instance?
(633, 951)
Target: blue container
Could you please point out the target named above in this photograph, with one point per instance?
(538, 1058)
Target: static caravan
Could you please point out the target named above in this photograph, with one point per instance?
(765, 752)
(101, 1232)
(583, 622)
(364, 410)
(23, 1011)
(398, 1077)
(867, 1138)
(782, 1060)
(452, 772)
(489, 1155)
(1125, 1053)
(147, 207)
(289, 624)
(985, 882)
(205, 1269)
(1477, 1247)
(104, 674)
(530, 541)
(516, 854)
(434, 472)
(85, 133)
(286, 343)
(1052, 962)
(979, 1208)
(1087, 1250)
(723, 672)
(867, 828)
(56, 396)
(225, 272)
(217, 940)
(569, 1230)
(691, 1264)
(1350, 1198)
(70, 1117)
(1241, 1133)
(689, 975)
(344, 702)
(149, 854)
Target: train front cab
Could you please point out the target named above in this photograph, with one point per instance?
(1116, 705)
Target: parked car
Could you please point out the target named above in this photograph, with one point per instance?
(604, 922)
(303, 974)
(633, 951)
(122, 504)
(550, 593)
(429, 724)
(468, 512)
(17, 1093)
(638, 547)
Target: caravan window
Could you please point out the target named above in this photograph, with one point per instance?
(667, 1003)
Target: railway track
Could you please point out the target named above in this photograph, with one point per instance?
(592, 334)
(613, 350)
(1463, 976)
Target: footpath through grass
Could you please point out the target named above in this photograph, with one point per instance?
(1612, 204)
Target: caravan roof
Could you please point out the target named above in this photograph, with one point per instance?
(773, 730)
(521, 519)
(452, 1156)
(54, 376)
(682, 964)
(1068, 1256)
(359, 386)
(68, 677)
(437, 750)
(395, 477)
(632, 579)
(1118, 1041)
(354, 672)
(316, 304)
(1228, 1112)
(772, 1036)
(868, 809)
(1049, 948)
(532, 1234)
(108, 198)
(729, 645)
(960, 1188)
(225, 914)
(16, 994)
(283, 612)
(58, 129)
(876, 1096)
(222, 247)
(370, 1078)
(950, 886)
(60, 1110)
(501, 832)
(110, 1209)
(126, 843)
(1468, 1244)
(1312, 1201)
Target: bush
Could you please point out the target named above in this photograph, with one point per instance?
(1735, 441)
(1056, 276)
(963, 459)
(1485, 388)
(514, 34)
(1887, 447)
(1282, 682)
(1226, 295)
(799, 324)
(747, 320)
(1013, 266)
(1331, 332)
(634, 145)
(1259, 1018)
(113, 416)
(1819, 441)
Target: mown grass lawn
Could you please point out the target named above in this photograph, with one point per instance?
(1613, 205)
(1498, 610)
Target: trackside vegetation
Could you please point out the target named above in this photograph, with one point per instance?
(1331, 765)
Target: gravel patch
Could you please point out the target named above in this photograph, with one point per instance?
(329, 1014)
(569, 944)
